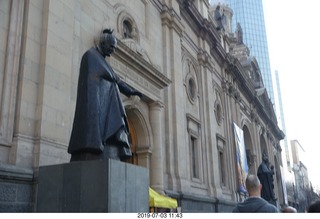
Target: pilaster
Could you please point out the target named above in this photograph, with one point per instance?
(11, 71)
(157, 157)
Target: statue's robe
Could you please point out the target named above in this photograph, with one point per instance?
(265, 177)
(99, 113)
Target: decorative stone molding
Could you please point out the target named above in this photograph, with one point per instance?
(193, 125)
(136, 47)
(171, 19)
(204, 59)
(156, 105)
(134, 68)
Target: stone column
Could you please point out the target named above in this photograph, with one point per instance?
(156, 168)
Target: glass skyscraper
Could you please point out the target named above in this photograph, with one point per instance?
(249, 13)
(279, 109)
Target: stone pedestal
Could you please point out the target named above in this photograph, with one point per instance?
(93, 186)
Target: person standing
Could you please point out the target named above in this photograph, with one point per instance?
(289, 209)
(254, 203)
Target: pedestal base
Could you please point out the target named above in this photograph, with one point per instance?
(93, 186)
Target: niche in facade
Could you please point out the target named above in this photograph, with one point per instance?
(127, 27)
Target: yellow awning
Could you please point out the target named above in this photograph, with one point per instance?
(157, 200)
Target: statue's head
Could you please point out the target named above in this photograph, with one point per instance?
(265, 157)
(107, 43)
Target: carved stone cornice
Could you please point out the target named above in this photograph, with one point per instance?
(204, 59)
(132, 65)
(247, 88)
(170, 18)
(204, 27)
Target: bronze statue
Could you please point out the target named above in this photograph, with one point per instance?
(265, 175)
(100, 127)
(239, 34)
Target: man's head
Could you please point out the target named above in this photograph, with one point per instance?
(107, 43)
(289, 209)
(253, 185)
(314, 207)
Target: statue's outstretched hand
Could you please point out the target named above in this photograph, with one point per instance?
(137, 93)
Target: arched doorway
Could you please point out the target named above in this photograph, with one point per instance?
(139, 136)
(133, 144)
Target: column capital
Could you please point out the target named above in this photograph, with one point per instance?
(156, 104)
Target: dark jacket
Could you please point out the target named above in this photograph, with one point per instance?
(99, 111)
(255, 205)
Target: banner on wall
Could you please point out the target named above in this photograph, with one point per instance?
(241, 158)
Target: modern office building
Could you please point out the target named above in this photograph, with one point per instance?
(279, 110)
(302, 184)
(287, 165)
(249, 13)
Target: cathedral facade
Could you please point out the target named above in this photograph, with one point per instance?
(198, 81)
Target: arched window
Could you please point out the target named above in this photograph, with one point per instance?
(127, 29)
(127, 26)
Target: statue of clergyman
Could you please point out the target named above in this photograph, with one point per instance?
(100, 128)
(265, 174)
